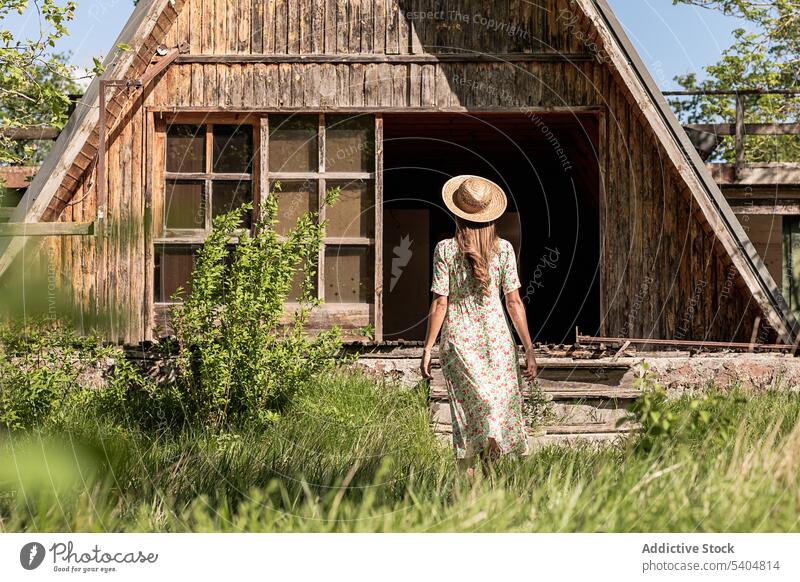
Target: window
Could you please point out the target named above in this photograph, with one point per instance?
(208, 171)
(211, 168)
(309, 155)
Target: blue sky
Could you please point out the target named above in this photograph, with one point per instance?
(671, 40)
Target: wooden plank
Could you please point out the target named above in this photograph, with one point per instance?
(30, 133)
(293, 31)
(317, 31)
(268, 35)
(367, 22)
(257, 26)
(281, 26)
(197, 92)
(342, 26)
(330, 22)
(306, 26)
(768, 208)
(749, 128)
(22, 229)
(221, 27)
(354, 26)
(379, 26)
(392, 27)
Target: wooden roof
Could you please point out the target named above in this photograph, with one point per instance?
(718, 213)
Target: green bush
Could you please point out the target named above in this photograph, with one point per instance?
(239, 360)
(708, 417)
(49, 373)
(39, 368)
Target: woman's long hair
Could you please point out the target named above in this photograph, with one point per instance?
(478, 242)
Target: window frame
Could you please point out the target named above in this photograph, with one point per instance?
(161, 235)
(349, 315)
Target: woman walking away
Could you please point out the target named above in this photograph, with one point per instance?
(477, 351)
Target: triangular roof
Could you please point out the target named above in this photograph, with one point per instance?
(662, 120)
(143, 26)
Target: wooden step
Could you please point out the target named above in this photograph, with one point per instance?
(563, 429)
(600, 434)
(587, 399)
(592, 428)
(569, 380)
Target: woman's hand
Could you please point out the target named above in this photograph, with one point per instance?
(531, 367)
(425, 365)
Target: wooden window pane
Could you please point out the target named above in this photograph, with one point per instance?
(186, 149)
(295, 198)
(227, 195)
(293, 144)
(184, 206)
(349, 143)
(233, 149)
(10, 197)
(349, 274)
(173, 269)
(353, 214)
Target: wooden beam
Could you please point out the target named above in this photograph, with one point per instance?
(749, 128)
(201, 113)
(767, 207)
(383, 58)
(592, 340)
(30, 133)
(46, 228)
(788, 91)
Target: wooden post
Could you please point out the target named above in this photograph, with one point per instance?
(378, 228)
(740, 131)
(263, 164)
(321, 193)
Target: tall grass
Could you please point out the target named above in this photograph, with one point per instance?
(353, 454)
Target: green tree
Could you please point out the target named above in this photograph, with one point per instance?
(35, 81)
(767, 59)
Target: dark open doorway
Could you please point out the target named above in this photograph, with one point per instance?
(548, 167)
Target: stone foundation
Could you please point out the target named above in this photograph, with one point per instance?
(678, 372)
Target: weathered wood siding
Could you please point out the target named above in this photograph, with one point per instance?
(663, 273)
(242, 27)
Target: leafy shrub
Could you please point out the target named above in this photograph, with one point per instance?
(239, 360)
(710, 415)
(48, 372)
(39, 364)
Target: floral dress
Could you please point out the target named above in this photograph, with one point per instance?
(478, 353)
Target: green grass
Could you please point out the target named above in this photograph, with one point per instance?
(354, 455)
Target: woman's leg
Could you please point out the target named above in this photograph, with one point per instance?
(467, 467)
(488, 457)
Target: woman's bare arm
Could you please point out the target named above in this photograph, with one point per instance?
(516, 310)
(436, 315)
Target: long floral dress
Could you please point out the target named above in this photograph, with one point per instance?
(478, 353)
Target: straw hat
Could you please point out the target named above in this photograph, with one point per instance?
(474, 198)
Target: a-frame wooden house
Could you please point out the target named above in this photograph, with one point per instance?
(619, 227)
